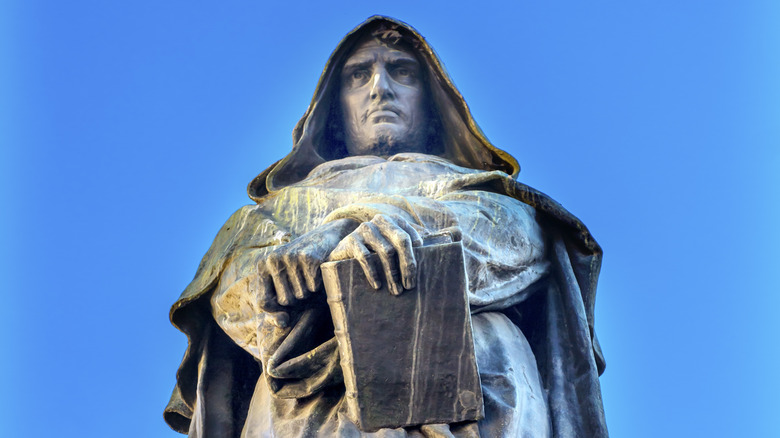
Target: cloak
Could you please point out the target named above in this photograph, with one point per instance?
(217, 377)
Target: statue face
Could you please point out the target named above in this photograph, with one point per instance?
(382, 101)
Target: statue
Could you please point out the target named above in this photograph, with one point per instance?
(386, 156)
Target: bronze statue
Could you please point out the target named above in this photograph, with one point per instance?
(386, 156)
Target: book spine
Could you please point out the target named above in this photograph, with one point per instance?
(335, 297)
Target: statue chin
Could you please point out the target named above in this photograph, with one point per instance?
(386, 142)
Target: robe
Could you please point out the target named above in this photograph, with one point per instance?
(531, 268)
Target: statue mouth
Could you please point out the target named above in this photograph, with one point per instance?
(383, 114)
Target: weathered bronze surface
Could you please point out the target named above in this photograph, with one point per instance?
(387, 155)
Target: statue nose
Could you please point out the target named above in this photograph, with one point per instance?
(380, 87)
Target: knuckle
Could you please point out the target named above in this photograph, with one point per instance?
(363, 227)
(273, 259)
(266, 302)
(289, 258)
(340, 247)
(386, 248)
(337, 254)
(352, 243)
(306, 258)
(399, 237)
(389, 220)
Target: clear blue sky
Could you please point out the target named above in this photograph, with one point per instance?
(129, 130)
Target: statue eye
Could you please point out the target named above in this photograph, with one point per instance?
(404, 75)
(358, 77)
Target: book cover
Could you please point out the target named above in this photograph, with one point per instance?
(408, 359)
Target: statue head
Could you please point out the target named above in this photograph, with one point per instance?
(384, 99)
(381, 100)
(382, 92)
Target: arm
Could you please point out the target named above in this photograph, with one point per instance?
(503, 243)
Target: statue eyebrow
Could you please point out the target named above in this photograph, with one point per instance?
(357, 65)
(403, 60)
(392, 59)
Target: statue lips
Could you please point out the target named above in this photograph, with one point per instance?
(384, 114)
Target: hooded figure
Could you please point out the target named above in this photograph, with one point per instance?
(256, 369)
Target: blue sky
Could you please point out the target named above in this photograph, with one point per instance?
(129, 130)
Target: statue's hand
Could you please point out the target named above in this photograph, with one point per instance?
(291, 273)
(392, 238)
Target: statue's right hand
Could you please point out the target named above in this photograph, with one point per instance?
(291, 273)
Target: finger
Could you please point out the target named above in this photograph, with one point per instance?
(352, 247)
(279, 319)
(402, 243)
(386, 252)
(295, 277)
(266, 294)
(436, 430)
(284, 292)
(278, 270)
(311, 271)
(263, 288)
(455, 233)
(406, 226)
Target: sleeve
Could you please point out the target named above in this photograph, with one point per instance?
(503, 245)
(298, 360)
(190, 313)
(234, 302)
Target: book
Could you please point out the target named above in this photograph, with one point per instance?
(408, 359)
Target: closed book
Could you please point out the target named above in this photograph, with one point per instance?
(408, 359)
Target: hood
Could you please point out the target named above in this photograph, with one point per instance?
(462, 141)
